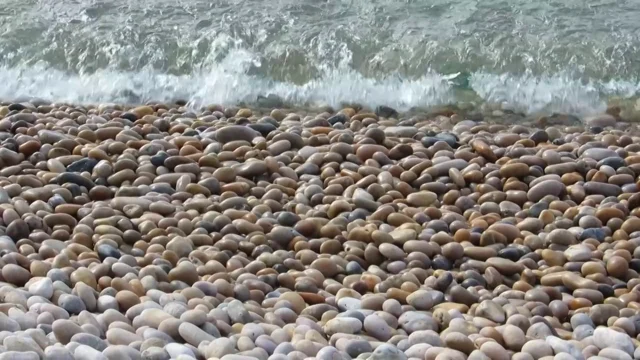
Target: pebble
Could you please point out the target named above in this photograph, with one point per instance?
(42, 287)
(161, 232)
(608, 338)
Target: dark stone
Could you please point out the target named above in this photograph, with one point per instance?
(531, 255)
(537, 208)
(539, 136)
(259, 250)
(440, 262)
(56, 200)
(354, 268)
(46, 328)
(386, 111)
(449, 138)
(539, 319)
(596, 129)
(263, 128)
(634, 264)
(338, 118)
(307, 169)
(615, 162)
(511, 253)
(438, 225)
(352, 314)
(470, 283)
(212, 184)
(270, 101)
(207, 225)
(16, 107)
(428, 141)
(69, 177)
(443, 281)
(269, 120)
(606, 290)
(18, 229)
(86, 164)
(19, 124)
(477, 230)
(461, 295)
(541, 310)
(619, 286)
(107, 251)
(286, 218)
(358, 214)
(273, 294)
(10, 144)
(472, 274)
(165, 267)
(101, 181)
(159, 158)
(129, 116)
(304, 286)
(593, 233)
(190, 132)
(636, 322)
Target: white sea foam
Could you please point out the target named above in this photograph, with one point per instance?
(230, 82)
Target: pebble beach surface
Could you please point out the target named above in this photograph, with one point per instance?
(156, 232)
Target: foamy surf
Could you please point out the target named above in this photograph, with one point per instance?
(233, 85)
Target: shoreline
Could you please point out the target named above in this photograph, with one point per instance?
(234, 233)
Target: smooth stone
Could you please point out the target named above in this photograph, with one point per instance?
(82, 165)
(22, 344)
(342, 325)
(387, 352)
(19, 355)
(84, 352)
(238, 313)
(174, 350)
(610, 353)
(193, 334)
(562, 346)
(538, 348)
(377, 327)
(219, 348)
(71, 303)
(488, 309)
(421, 300)
(42, 287)
(74, 178)
(90, 340)
(234, 133)
(58, 352)
(578, 253)
(608, 338)
(545, 188)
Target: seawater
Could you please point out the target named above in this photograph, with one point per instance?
(557, 56)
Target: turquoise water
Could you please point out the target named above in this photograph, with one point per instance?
(566, 56)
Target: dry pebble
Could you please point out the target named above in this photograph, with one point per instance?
(161, 232)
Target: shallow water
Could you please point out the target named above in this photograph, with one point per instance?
(565, 56)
